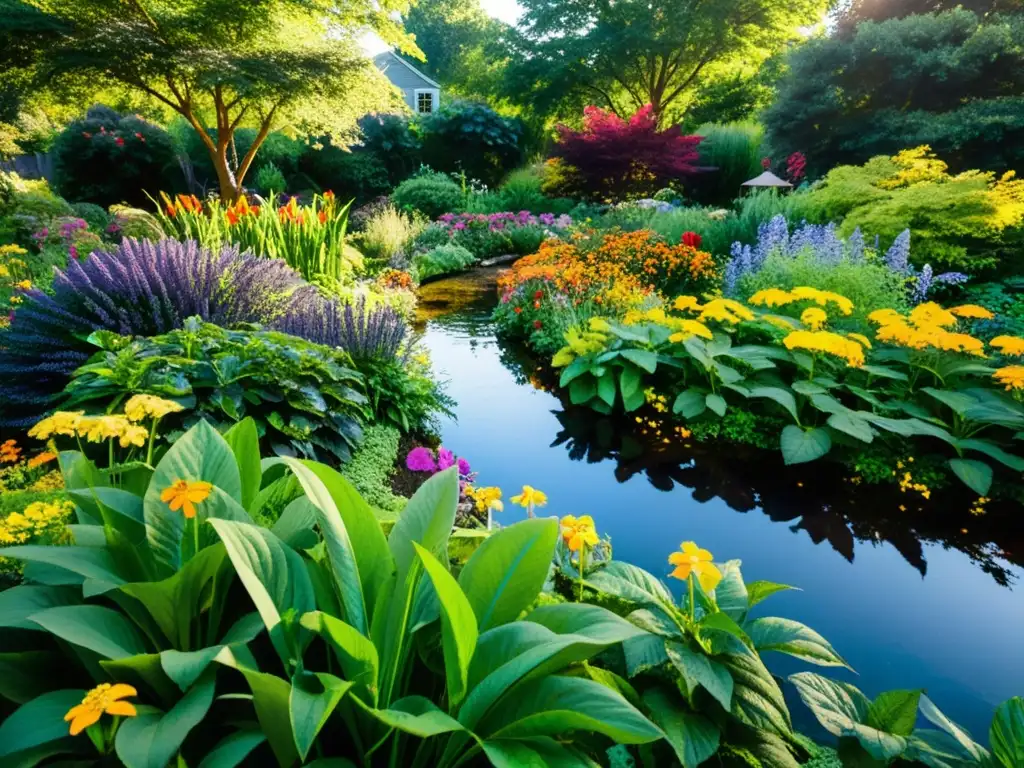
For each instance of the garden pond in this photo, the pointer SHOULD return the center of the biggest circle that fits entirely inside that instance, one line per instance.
(913, 594)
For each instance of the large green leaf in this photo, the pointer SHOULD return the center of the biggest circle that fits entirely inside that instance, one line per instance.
(781, 396)
(965, 745)
(90, 562)
(356, 654)
(958, 402)
(1016, 463)
(760, 590)
(800, 446)
(630, 583)
(152, 738)
(837, 706)
(233, 749)
(200, 454)
(341, 552)
(273, 573)
(18, 603)
(693, 737)
(938, 749)
(115, 507)
(174, 603)
(508, 570)
(542, 752)
(1007, 733)
(244, 441)
(102, 630)
(458, 625)
(976, 475)
(271, 699)
(24, 675)
(313, 699)
(697, 668)
(731, 593)
(852, 425)
(590, 621)
(184, 668)
(757, 699)
(417, 715)
(36, 723)
(794, 638)
(642, 358)
(690, 403)
(427, 520)
(552, 705)
(894, 712)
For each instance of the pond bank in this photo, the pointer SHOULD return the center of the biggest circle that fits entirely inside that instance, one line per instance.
(911, 599)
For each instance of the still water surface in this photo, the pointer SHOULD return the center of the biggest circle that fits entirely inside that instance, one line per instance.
(930, 598)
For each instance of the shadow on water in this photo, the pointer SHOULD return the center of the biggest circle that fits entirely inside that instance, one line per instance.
(923, 595)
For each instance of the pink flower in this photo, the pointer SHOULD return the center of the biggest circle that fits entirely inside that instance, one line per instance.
(421, 460)
(463, 466)
(119, 141)
(445, 459)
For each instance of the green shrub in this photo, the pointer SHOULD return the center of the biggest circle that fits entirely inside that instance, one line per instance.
(107, 158)
(432, 236)
(391, 141)
(355, 175)
(473, 139)
(432, 195)
(734, 151)
(94, 215)
(442, 260)
(387, 233)
(372, 465)
(269, 180)
(306, 398)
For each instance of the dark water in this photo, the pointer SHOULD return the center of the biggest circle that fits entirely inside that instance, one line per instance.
(926, 597)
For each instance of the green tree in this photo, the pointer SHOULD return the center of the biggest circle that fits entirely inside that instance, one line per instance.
(450, 33)
(626, 54)
(853, 12)
(224, 65)
(950, 80)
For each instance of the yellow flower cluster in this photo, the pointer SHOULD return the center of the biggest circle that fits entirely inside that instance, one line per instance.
(907, 483)
(1011, 377)
(978, 508)
(830, 343)
(118, 427)
(776, 297)
(656, 401)
(814, 318)
(925, 328)
(1008, 345)
(579, 532)
(580, 343)
(141, 407)
(41, 518)
(488, 498)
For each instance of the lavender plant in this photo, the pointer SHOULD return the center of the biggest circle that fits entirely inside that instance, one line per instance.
(366, 333)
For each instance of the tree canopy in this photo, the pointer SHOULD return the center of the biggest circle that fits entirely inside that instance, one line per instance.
(626, 54)
(853, 12)
(219, 64)
(952, 81)
(453, 35)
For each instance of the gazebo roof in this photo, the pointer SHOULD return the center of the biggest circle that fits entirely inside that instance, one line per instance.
(766, 179)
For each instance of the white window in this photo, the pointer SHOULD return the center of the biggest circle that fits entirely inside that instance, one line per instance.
(426, 100)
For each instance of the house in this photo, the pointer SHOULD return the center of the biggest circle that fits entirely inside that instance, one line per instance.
(422, 94)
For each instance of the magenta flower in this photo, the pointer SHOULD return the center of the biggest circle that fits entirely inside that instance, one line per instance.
(463, 466)
(421, 460)
(445, 459)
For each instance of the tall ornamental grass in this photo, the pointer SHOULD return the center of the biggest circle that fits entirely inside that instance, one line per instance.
(308, 238)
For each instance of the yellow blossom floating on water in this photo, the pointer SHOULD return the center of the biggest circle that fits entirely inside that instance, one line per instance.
(814, 317)
(141, 407)
(823, 298)
(184, 495)
(972, 311)
(530, 498)
(772, 297)
(829, 343)
(1009, 345)
(1011, 377)
(691, 559)
(578, 532)
(103, 699)
(61, 423)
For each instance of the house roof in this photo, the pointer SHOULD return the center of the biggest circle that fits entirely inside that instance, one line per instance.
(766, 179)
(388, 58)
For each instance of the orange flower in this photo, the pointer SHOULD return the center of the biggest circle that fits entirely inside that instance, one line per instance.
(41, 458)
(691, 559)
(184, 495)
(9, 452)
(231, 216)
(322, 216)
(103, 699)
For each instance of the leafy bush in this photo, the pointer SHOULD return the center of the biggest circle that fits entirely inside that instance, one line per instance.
(372, 466)
(139, 289)
(972, 222)
(472, 139)
(107, 158)
(269, 179)
(440, 261)
(433, 235)
(305, 399)
(497, 234)
(612, 157)
(404, 393)
(94, 215)
(357, 175)
(390, 140)
(387, 233)
(733, 151)
(432, 195)
(309, 238)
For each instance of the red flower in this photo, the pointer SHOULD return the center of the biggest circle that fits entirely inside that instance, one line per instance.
(119, 141)
(538, 294)
(518, 310)
(537, 324)
(691, 239)
(766, 163)
(138, 135)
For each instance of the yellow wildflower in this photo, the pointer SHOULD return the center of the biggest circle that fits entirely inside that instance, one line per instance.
(726, 311)
(578, 532)
(823, 298)
(41, 458)
(134, 434)
(141, 407)
(688, 328)
(972, 311)
(530, 498)
(931, 314)
(184, 495)
(103, 699)
(1012, 377)
(691, 559)
(61, 423)
(485, 498)
(886, 317)
(861, 339)
(599, 324)
(814, 317)
(687, 304)
(9, 452)
(785, 323)
(98, 428)
(23, 285)
(772, 297)
(1009, 345)
(562, 358)
(829, 343)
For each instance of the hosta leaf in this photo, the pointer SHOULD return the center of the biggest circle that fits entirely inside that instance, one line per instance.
(958, 402)
(39, 722)
(800, 446)
(976, 475)
(837, 706)
(993, 451)
(716, 403)
(643, 358)
(697, 668)
(894, 712)
(690, 403)
(852, 425)
(795, 639)
(693, 737)
(781, 396)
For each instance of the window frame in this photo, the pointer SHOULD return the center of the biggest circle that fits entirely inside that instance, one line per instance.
(435, 98)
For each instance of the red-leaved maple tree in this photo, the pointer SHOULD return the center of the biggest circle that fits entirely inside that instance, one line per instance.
(614, 157)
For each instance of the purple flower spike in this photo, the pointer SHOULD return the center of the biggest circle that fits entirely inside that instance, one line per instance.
(463, 466)
(421, 460)
(445, 459)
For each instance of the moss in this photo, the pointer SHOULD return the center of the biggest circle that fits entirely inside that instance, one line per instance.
(371, 468)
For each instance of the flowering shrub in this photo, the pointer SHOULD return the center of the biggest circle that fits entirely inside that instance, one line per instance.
(612, 157)
(309, 238)
(364, 331)
(496, 234)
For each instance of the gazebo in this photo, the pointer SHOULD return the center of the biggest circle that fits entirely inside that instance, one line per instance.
(767, 180)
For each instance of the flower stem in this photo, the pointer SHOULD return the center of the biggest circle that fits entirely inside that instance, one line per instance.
(693, 605)
(583, 558)
(195, 534)
(152, 439)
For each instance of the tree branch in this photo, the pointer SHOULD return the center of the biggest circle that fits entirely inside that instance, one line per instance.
(243, 167)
